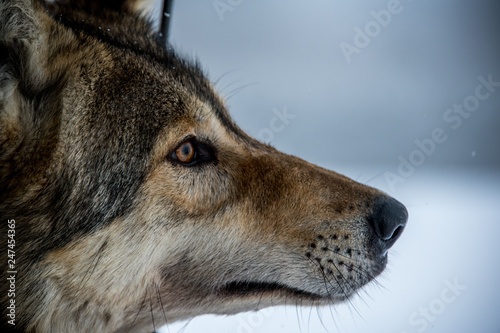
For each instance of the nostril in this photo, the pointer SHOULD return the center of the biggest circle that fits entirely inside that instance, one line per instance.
(388, 219)
(397, 233)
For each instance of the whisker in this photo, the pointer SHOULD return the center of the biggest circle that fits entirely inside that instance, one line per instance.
(137, 314)
(321, 319)
(297, 313)
(340, 285)
(325, 279)
(158, 295)
(152, 314)
(183, 328)
(360, 271)
(217, 80)
(94, 263)
(357, 269)
(237, 90)
(333, 317)
(353, 289)
(309, 318)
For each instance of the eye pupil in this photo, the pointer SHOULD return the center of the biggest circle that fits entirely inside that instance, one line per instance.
(185, 153)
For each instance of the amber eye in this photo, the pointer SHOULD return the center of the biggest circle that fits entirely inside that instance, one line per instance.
(185, 153)
(192, 152)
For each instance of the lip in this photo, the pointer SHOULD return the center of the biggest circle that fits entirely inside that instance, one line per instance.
(240, 288)
(260, 289)
(327, 294)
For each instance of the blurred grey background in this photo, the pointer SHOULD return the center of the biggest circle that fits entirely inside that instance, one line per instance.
(352, 86)
(368, 110)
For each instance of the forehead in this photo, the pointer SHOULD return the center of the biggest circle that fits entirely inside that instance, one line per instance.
(166, 86)
(135, 74)
(180, 89)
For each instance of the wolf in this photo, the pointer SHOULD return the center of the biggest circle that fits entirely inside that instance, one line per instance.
(129, 198)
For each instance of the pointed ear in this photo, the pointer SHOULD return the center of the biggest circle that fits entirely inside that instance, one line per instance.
(138, 7)
(30, 71)
(27, 35)
(19, 23)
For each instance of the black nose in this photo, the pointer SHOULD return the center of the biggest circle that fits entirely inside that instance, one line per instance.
(388, 220)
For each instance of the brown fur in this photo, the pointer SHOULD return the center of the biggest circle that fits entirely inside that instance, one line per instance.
(111, 231)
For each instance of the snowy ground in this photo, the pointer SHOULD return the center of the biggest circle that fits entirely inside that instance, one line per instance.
(442, 277)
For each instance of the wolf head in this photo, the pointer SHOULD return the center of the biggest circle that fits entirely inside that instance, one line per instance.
(137, 200)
